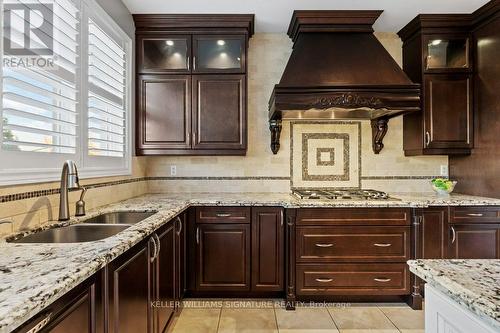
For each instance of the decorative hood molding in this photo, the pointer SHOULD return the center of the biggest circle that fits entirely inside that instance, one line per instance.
(339, 70)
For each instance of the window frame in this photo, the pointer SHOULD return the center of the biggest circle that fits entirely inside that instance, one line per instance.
(87, 166)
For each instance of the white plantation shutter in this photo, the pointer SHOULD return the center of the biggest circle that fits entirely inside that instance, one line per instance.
(40, 106)
(106, 100)
(79, 110)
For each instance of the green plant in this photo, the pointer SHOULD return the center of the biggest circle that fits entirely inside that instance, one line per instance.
(8, 135)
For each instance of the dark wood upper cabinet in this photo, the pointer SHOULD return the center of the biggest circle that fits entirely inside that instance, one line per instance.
(448, 114)
(219, 112)
(437, 54)
(164, 120)
(166, 54)
(219, 54)
(178, 112)
(446, 53)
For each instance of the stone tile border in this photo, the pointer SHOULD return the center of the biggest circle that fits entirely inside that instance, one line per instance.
(53, 191)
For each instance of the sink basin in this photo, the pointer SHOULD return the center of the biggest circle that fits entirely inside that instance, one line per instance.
(75, 233)
(119, 218)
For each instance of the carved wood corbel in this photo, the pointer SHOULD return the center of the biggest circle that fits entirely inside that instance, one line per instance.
(275, 128)
(379, 130)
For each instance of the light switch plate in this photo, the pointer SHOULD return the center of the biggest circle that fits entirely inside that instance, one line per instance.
(444, 170)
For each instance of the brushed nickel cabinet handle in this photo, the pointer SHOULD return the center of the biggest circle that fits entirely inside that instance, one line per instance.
(382, 280)
(475, 214)
(222, 214)
(281, 217)
(180, 226)
(427, 138)
(155, 249)
(324, 280)
(187, 62)
(382, 244)
(453, 235)
(38, 327)
(324, 245)
(197, 235)
(158, 243)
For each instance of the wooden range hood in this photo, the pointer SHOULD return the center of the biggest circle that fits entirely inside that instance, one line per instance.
(339, 70)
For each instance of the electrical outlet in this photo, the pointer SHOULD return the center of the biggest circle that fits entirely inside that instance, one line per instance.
(444, 170)
(173, 170)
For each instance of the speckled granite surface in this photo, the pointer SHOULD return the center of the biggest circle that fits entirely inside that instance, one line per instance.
(473, 283)
(33, 276)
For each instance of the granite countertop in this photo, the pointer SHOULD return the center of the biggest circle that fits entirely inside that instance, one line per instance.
(32, 276)
(473, 283)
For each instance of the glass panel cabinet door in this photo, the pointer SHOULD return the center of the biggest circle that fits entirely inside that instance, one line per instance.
(219, 54)
(452, 53)
(165, 54)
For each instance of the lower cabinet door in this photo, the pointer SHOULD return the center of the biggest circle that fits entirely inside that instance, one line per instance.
(164, 294)
(73, 312)
(267, 249)
(129, 289)
(475, 242)
(223, 257)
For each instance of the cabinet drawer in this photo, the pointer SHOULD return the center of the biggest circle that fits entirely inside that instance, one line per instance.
(353, 216)
(353, 243)
(352, 279)
(480, 214)
(223, 215)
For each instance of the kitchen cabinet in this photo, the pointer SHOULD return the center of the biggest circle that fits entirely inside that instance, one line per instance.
(75, 309)
(191, 84)
(130, 290)
(164, 284)
(164, 121)
(478, 241)
(223, 257)
(219, 54)
(268, 249)
(180, 258)
(219, 112)
(437, 55)
(165, 54)
(142, 284)
(347, 252)
(474, 232)
(432, 233)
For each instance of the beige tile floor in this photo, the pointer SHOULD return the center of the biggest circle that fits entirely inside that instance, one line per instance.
(262, 316)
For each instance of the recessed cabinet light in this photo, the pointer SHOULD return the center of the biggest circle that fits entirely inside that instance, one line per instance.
(170, 42)
(436, 42)
(221, 42)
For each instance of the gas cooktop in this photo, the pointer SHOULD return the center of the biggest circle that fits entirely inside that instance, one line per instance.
(342, 194)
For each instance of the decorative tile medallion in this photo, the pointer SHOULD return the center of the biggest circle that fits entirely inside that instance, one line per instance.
(325, 154)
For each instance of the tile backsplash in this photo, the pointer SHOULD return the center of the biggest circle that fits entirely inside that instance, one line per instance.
(260, 170)
(32, 205)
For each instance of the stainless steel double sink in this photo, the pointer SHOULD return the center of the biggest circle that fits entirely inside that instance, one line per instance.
(92, 229)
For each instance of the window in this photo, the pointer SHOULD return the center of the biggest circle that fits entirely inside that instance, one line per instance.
(78, 107)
